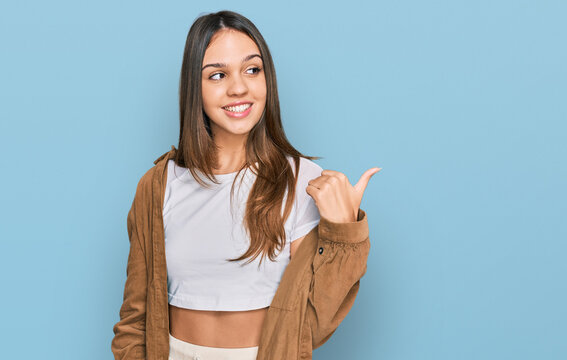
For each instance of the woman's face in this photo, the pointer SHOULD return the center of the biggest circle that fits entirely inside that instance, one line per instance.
(233, 83)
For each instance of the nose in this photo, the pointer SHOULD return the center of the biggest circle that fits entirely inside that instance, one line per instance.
(237, 86)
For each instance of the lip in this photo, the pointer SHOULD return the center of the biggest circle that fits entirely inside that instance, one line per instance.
(236, 103)
(241, 114)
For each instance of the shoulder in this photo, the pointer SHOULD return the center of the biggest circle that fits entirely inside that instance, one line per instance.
(147, 182)
(144, 186)
(308, 169)
(157, 169)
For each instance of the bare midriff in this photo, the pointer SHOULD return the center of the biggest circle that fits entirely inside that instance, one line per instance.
(224, 329)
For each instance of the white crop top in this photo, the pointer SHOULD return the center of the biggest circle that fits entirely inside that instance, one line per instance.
(201, 232)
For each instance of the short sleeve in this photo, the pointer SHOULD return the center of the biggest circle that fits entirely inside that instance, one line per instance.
(307, 212)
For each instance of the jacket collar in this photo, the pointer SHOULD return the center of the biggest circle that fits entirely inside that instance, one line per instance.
(168, 155)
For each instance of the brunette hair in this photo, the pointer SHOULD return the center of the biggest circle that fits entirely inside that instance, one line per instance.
(266, 144)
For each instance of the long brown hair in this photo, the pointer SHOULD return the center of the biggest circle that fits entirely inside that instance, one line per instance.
(266, 144)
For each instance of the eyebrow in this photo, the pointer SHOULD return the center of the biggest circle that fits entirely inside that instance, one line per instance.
(220, 65)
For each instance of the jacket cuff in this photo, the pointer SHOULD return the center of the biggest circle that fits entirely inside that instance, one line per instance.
(347, 232)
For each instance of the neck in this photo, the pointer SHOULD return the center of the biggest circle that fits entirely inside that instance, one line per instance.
(231, 154)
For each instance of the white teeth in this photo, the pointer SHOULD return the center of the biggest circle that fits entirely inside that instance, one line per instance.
(239, 108)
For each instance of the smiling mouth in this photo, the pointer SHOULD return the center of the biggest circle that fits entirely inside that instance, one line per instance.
(238, 109)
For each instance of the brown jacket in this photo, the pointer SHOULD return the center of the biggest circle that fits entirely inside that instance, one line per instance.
(316, 291)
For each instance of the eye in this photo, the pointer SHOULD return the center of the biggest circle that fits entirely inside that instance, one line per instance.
(215, 74)
(255, 68)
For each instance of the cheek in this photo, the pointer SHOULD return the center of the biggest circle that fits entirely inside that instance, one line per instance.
(210, 97)
(205, 95)
(260, 89)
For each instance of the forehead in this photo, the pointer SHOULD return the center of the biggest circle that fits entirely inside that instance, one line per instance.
(229, 46)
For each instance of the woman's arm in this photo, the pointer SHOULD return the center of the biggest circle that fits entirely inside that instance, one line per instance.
(342, 250)
(129, 341)
(338, 265)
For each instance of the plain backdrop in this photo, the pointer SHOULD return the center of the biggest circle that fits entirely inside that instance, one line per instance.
(462, 103)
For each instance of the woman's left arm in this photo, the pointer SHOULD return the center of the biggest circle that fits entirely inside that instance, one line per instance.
(342, 251)
(338, 265)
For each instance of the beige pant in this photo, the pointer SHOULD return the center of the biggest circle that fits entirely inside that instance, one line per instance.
(181, 350)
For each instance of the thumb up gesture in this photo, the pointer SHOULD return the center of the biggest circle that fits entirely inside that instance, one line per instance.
(337, 200)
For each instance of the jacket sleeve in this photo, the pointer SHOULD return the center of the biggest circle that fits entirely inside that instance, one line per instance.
(338, 265)
(129, 340)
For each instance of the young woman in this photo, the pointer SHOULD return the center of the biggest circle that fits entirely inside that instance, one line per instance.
(238, 199)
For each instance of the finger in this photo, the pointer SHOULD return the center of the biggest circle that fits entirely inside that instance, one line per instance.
(318, 181)
(365, 178)
(312, 191)
(334, 173)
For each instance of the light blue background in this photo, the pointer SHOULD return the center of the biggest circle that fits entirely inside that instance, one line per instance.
(462, 103)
